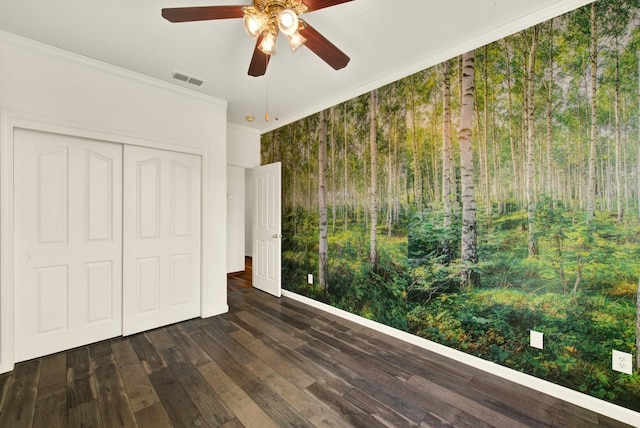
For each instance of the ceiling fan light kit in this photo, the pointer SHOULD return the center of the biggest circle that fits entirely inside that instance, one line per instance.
(264, 20)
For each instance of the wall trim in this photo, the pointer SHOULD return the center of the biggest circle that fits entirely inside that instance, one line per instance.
(610, 410)
(11, 120)
(12, 39)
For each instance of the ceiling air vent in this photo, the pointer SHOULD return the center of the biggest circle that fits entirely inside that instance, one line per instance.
(186, 78)
(195, 81)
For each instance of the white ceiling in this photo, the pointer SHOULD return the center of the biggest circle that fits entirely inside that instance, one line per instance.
(385, 39)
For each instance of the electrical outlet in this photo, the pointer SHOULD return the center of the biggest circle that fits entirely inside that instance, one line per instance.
(310, 278)
(536, 339)
(622, 362)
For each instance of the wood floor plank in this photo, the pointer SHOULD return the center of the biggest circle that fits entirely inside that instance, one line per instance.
(86, 415)
(216, 378)
(210, 405)
(246, 410)
(443, 374)
(231, 367)
(277, 360)
(275, 406)
(361, 355)
(149, 356)
(54, 370)
(303, 403)
(233, 423)
(189, 347)
(153, 416)
(240, 353)
(19, 406)
(138, 386)
(390, 393)
(81, 386)
(176, 401)
(160, 339)
(474, 413)
(350, 414)
(5, 382)
(377, 410)
(270, 328)
(51, 406)
(115, 407)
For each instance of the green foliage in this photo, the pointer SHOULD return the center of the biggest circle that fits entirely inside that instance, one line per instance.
(519, 293)
(353, 286)
(579, 333)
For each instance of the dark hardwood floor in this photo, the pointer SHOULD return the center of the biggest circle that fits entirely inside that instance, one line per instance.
(269, 363)
(240, 280)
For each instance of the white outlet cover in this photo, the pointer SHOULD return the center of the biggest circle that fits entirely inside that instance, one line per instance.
(536, 339)
(622, 362)
(310, 278)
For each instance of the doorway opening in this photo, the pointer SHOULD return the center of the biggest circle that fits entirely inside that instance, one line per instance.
(242, 279)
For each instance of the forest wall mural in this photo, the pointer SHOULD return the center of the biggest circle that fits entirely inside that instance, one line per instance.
(491, 195)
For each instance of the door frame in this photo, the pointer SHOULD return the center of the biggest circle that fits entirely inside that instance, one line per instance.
(11, 120)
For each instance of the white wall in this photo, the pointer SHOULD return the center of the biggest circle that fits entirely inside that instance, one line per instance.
(243, 149)
(235, 219)
(64, 88)
(248, 216)
(243, 146)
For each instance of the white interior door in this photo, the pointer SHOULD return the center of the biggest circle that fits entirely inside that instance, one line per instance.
(267, 236)
(161, 249)
(68, 242)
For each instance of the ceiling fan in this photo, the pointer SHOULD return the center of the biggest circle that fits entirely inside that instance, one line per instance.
(263, 20)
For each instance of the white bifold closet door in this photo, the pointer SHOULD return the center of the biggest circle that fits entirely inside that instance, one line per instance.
(67, 242)
(161, 239)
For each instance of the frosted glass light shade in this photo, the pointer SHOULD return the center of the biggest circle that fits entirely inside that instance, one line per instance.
(254, 23)
(288, 22)
(268, 44)
(295, 41)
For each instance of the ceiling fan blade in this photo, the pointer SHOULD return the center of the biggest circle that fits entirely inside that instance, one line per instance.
(202, 13)
(324, 48)
(321, 4)
(259, 61)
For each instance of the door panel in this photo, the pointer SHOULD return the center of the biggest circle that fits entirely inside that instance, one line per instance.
(267, 230)
(68, 244)
(161, 238)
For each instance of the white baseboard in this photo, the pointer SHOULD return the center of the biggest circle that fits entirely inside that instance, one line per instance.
(610, 410)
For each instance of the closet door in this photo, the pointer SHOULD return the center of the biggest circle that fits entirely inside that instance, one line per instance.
(68, 242)
(161, 248)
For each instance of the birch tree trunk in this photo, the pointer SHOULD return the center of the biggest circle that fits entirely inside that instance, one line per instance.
(373, 190)
(323, 251)
(530, 164)
(485, 133)
(417, 176)
(591, 189)
(446, 156)
(618, 165)
(512, 143)
(345, 161)
(549, 155)
(469, 251)
(334, 190)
